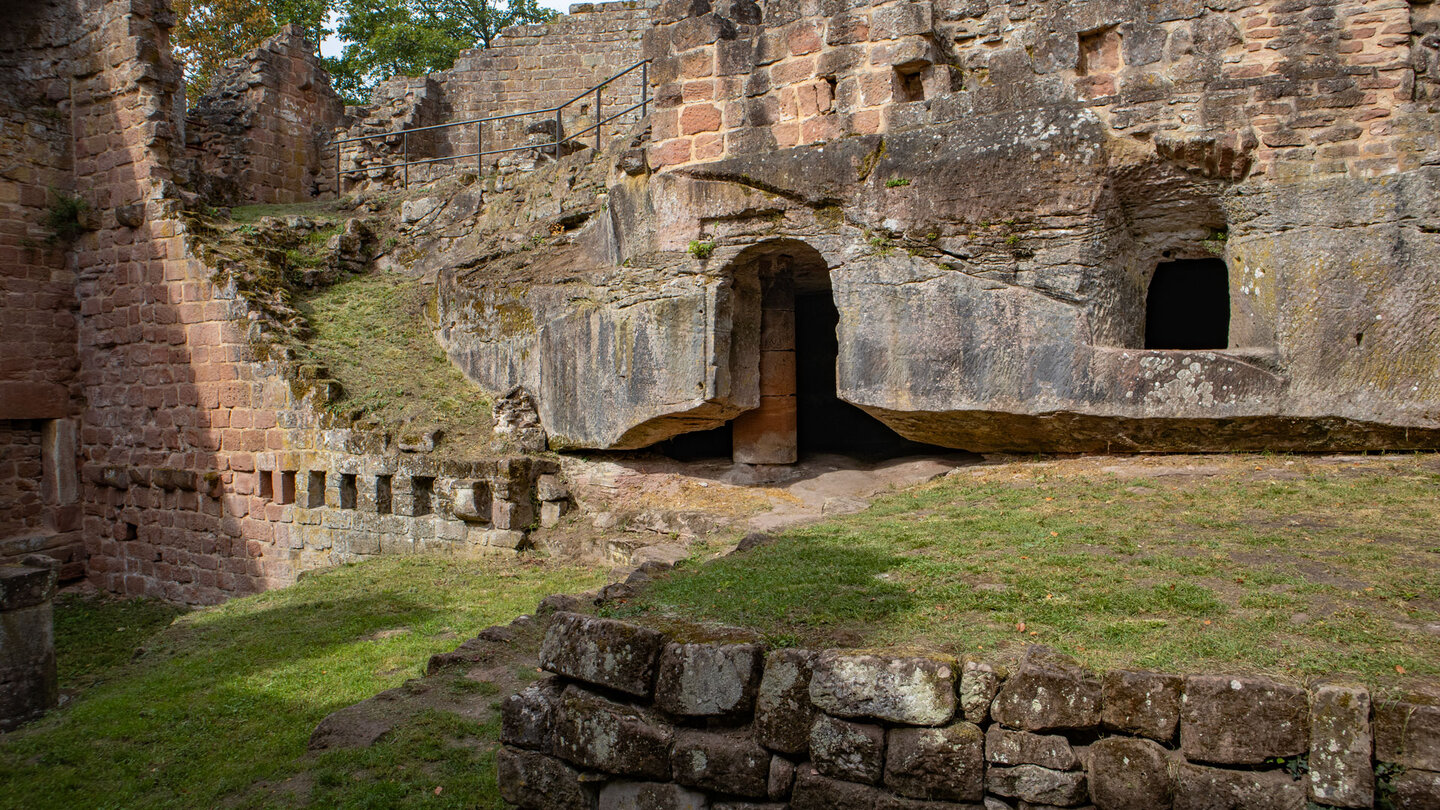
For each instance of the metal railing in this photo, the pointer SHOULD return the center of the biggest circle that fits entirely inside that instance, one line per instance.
(479, 123)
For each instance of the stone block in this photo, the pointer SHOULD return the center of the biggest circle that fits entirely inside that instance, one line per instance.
(1037, 785)
(721, 763)
(945, 763)
(551, 487)
(708, 680)
(783, 712)
(1005, 747)
(603, 735)
(1407, 732)
(841, 749)
(527, 718)
(1234, 720)
(814, 791)
(1415, 789)
(979, 682)
(534, 781)
(1201, 788)
(1129, 773)
(780, 779)
(23, 586)
(916, 691)
(603, 652)
(649, 796)
(1341, 746)
(1143, 703)
(1049, 691)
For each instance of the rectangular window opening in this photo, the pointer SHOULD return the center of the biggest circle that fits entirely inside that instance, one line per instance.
(909, 86)
(483, 500)
(315, 492)
(266, 479)
(348, 491)
(129, 531)
(423, 488)
(383, 502)
(287, 487)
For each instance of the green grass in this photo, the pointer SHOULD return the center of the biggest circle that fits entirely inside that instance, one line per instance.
(226, 697)
(371, 332)
(1328, 572)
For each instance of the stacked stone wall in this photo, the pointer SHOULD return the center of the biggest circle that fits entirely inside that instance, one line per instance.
(1267, 88)
(28, 680)
(260, 134)
(633, 718)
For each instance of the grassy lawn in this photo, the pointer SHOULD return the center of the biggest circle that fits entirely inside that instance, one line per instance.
(225, 698)
(371, 332)
(1284, 565)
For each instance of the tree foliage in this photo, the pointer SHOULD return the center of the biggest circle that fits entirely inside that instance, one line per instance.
(210, 32)
(382, 38)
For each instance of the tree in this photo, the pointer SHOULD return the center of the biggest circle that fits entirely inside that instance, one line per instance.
(385, 38)
(210, 32)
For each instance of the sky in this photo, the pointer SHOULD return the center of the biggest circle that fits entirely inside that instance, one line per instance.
(332, 45)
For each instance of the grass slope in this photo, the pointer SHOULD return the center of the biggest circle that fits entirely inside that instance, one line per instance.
(371, 332)
(225, 697)
(1302, 568)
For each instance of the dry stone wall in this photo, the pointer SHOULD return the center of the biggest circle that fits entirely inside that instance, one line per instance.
(634, 718)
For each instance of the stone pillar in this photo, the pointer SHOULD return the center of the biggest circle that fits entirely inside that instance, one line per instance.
(767, 435)
(28, 686)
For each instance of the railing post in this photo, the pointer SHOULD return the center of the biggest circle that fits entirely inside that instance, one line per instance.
(339, 185)
(405, 143)
(557, 133)
(644, 88)
(480, 158)
(598, 118)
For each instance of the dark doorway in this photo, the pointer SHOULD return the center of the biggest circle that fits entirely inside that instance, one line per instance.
(1188, 306)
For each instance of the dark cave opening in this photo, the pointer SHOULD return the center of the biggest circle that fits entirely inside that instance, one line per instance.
(1188, 306)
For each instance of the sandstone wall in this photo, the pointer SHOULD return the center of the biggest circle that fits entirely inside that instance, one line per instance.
(259, 134)
(528, 67)
(635, 718)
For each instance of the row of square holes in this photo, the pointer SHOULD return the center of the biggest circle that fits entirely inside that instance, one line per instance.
(279, 486)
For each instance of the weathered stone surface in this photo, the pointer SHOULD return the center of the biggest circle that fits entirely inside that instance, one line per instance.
(979, 682)
(783, 712)
(1143, 703)
(1234, 720)
(601, 734)
(1129, 773)
(25, 586)
(527, 718)
(28, 677)
(537, 782)
(781, 778)
(1408, 732)
(1415, 789)
(937, 763)
(1341, 746)
(721, 763)
(1037, 785)
(841, 749)
(1048, 691)
(814, 791)
(1005, 747)
(914, 691)
(708, 680)
(649, 796)
(1202, 788)
(603, 652)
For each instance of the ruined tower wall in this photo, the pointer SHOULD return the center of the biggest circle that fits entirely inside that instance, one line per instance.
(259, 134)
(38, 359)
